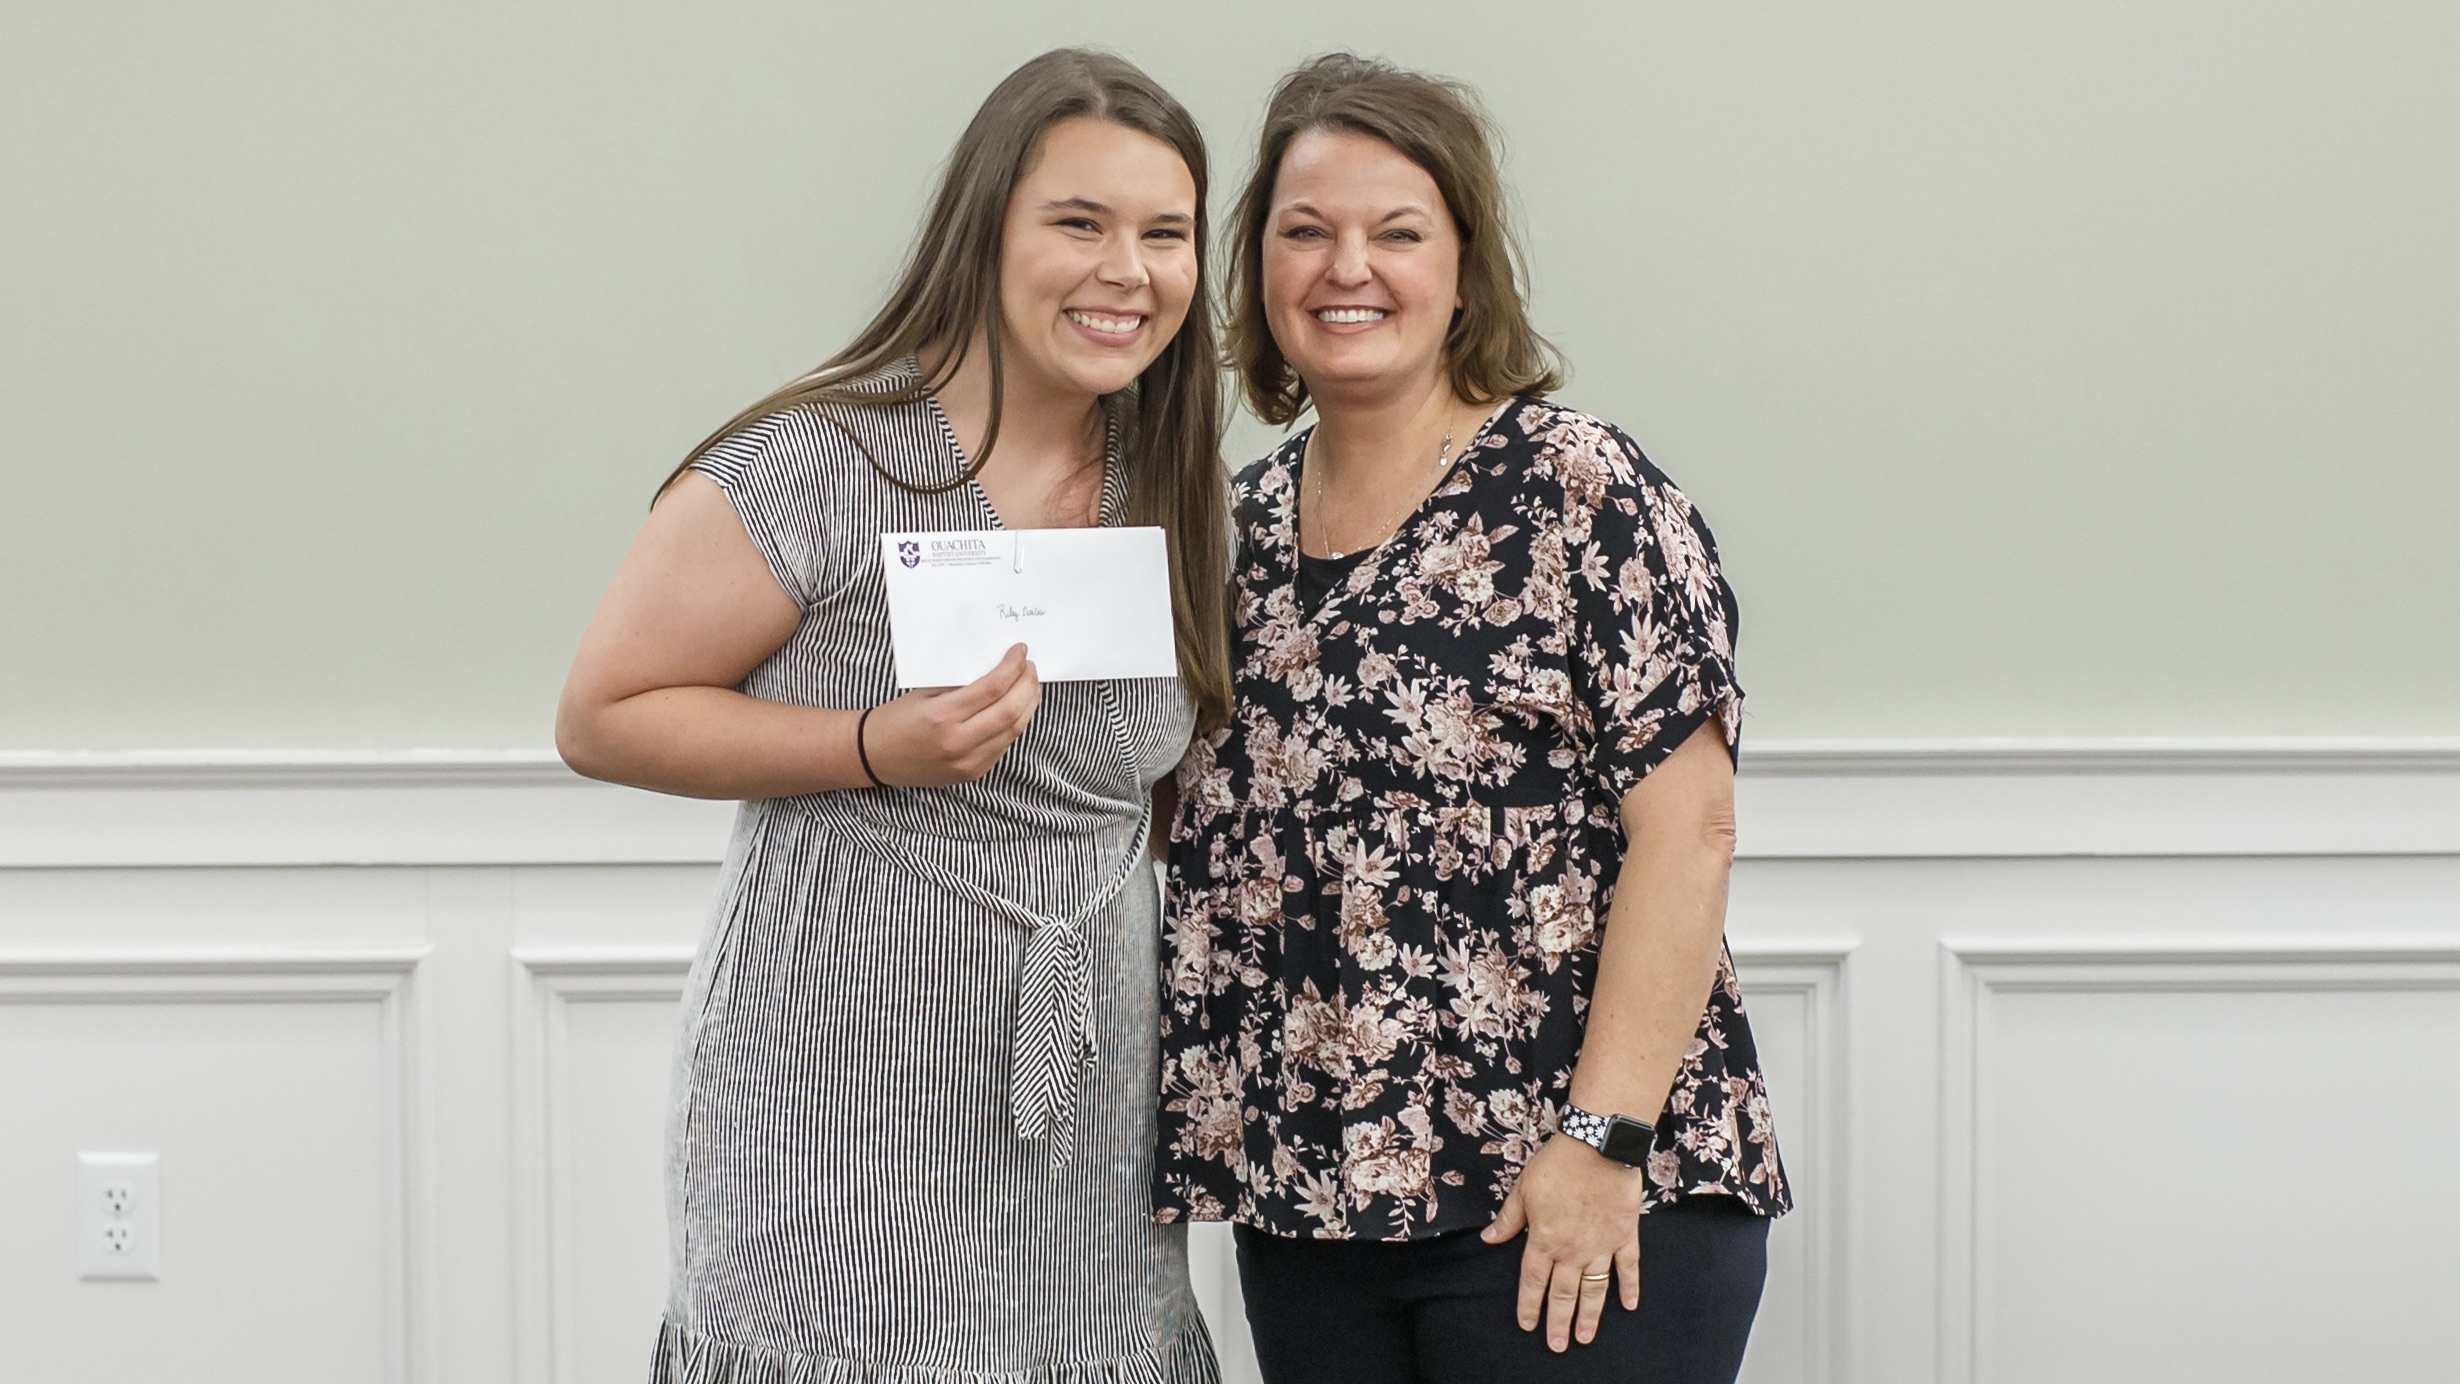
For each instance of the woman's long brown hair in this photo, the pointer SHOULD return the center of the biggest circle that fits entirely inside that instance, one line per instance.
(1168, 422)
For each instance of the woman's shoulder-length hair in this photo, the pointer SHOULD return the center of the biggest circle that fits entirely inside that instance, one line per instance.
(1439, 125)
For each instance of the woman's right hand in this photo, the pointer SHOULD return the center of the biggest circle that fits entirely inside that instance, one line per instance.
(936, 736)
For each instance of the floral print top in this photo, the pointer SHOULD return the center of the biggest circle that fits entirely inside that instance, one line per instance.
(1389, 875)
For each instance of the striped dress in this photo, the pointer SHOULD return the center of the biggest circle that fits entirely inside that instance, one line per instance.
(912, 1131)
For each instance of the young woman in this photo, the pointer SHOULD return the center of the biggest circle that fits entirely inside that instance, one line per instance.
(1448, 1003)
(913, 1126)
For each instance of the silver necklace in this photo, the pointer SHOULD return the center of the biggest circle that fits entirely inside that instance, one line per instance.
(1323, 520)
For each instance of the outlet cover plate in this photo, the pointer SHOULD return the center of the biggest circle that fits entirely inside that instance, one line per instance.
(119, 1215)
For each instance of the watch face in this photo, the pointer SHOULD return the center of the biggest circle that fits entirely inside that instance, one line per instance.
(1628, 1140)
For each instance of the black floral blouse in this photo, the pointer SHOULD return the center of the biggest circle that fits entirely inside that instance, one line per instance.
(1389, 876)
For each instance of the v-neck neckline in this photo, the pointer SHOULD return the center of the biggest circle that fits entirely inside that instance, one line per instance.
(1113, 484)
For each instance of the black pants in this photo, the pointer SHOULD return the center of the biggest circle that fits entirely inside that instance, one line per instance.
(1442, 1311)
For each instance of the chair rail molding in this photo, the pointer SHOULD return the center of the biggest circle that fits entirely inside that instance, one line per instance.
(337, 807)
(1801, 799)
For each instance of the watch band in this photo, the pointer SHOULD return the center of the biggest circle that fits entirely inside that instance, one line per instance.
(1619, 1137)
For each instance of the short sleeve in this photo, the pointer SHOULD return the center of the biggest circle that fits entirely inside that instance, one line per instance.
(767, 480)
(1652, 653)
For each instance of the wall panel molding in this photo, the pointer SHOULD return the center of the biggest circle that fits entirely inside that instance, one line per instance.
(384, 978)
(547, 983)
(1975, 972)
(1815, 973)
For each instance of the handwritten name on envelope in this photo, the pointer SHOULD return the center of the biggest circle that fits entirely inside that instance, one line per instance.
(1085, 603)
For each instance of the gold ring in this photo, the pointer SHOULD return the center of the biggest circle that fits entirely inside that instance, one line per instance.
(1596, 1277)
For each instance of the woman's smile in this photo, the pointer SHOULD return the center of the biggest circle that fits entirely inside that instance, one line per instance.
(1346, 319)
(1104, 326)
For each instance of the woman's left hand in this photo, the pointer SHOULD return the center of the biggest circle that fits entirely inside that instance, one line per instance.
(1582, 1212)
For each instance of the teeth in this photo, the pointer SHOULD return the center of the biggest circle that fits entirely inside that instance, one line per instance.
(1108, 326)
(1350, 315)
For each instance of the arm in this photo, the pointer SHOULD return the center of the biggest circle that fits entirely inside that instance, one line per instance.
(691, 612)
(1659, 958)
(1665, 932)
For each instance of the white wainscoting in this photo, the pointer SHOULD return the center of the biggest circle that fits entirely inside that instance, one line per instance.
(282, 1092)
(2087, 1184)
(1795, 992)
(2091, 1061)
(592, 1034)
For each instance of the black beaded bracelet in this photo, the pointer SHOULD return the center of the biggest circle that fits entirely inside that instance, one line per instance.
(862, 753)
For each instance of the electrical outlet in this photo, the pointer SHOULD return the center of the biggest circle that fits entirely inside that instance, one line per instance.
(119, 1215)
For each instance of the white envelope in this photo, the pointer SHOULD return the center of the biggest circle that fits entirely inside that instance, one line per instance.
(1085, 603)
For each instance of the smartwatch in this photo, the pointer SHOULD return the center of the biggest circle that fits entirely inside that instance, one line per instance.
(1619, 1137)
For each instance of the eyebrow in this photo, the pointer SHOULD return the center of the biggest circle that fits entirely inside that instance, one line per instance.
(1099, 209)
(1407, 209)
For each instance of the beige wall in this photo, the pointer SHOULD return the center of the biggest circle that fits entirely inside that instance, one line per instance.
(2059, 368)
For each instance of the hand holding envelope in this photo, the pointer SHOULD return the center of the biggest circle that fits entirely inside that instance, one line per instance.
(1086, 603)
(935, 736)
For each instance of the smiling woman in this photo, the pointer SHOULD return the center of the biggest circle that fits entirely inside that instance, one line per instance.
(894, 1155)
(1452, 1034)
(1097, 269)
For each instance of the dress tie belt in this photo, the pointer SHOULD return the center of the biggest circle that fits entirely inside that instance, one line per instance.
(1054, 1036)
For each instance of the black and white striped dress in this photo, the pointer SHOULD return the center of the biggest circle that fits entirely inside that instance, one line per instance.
(912, 1137)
